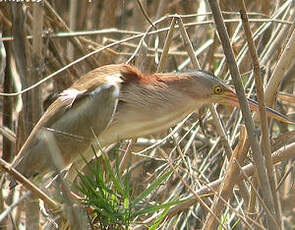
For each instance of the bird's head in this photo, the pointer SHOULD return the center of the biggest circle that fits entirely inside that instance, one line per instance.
(207, 87)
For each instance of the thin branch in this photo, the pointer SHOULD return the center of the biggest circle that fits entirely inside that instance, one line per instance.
(29, 185)
(145, 14)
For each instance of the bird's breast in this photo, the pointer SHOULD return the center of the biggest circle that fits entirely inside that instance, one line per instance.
(131, 124)
(147, 109)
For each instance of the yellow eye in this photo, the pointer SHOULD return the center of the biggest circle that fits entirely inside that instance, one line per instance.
(218, 90)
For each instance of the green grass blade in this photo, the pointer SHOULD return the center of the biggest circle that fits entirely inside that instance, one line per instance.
(111, 174)
(154, 208)
(151, 188)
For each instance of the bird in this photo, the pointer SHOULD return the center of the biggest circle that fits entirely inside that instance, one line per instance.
(117, 102)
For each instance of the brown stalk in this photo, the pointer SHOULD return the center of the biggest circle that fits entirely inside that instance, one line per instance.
(29, 185)
(92, 62)
(254, 190)
(73, 7)
(7, 116)
(187, 44)
(284, 63)
(139, 22)
(276, 42)
(196, 196)
(62, 82)
(35, 59)
(29, 113)
(251, 209)
(284, 153)
(243, 189)
(221, 132)
(265, 142)
(259, 161)
(225, 189)
(196, 65)
(166, 47)
(141, 7)
(108, 10)
(218, 124)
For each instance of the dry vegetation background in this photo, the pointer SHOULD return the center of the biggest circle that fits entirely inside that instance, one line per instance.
(212, 173)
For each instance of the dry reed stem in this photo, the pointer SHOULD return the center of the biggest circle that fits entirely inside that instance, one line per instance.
(259, 161)
(187, 44)
(160, 30)
(256, 194)
(220, 129)
(276, 41)
(221, 132)
(284, 153)
(225, 189)
(284, 63)
(251, 209)
(196, 196)
(29, 185)
(166, 47)
(73, 6)
(92, 62)
(189, 48)
(114, 44)
(265, 141)
(32, 210)
(145, 14)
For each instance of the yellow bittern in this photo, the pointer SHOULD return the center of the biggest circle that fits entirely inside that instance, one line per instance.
(116, 102)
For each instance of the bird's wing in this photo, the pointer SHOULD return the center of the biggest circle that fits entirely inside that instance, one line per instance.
(88, 105)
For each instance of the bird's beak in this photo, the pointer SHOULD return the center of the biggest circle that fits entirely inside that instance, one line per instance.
(230, 98)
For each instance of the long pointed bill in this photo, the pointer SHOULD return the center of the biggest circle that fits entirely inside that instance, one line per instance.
(253, 105)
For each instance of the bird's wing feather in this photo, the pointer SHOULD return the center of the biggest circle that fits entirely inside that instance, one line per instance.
(98, 98)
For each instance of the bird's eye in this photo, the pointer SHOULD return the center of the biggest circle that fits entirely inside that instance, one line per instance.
(218, 90)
